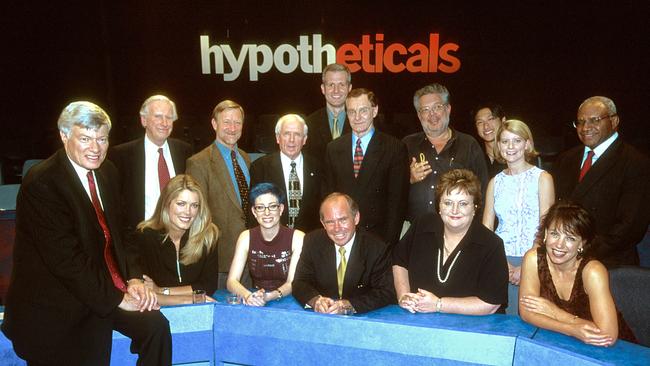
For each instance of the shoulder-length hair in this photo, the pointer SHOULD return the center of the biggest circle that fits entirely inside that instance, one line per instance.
(202, 234)
(571, 218)
(520, 129)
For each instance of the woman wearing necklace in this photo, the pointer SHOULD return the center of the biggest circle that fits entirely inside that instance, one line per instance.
(271, 250)
(178, 244)
(562, 288)
(519, 196)
(450, 262)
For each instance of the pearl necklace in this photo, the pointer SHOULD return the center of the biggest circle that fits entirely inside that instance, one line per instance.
(441, 280)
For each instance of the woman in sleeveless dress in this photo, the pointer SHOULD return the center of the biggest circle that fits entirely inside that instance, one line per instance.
(517, 197)
(562, 288)
(270, 250)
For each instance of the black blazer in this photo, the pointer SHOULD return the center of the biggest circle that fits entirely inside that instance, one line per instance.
(616, 191)
(380, 190)
(269, 169)
(319, 132)
(61, 293)
(129, 160)
(368, 282)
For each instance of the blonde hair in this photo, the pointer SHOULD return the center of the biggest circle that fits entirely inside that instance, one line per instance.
(520, 129)
(203, 233)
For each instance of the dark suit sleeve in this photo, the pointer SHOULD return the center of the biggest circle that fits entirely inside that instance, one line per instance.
(397, 197)
(303, 281)
(329, 185)
(381, 291)
(478, 164)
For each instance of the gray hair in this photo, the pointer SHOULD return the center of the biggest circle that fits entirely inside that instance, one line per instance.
(144, 110)
(609, 104)
(434, 88)
(83, 114)
(289, 117)
(337, 68)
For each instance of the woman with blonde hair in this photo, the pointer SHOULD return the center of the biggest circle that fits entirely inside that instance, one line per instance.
(178, 244)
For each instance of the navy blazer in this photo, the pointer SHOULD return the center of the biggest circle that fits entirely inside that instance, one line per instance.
(319, 132)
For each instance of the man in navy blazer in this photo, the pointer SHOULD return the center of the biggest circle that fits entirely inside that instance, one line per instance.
(340, 267)
(291, 135)
(137, 161)
(74, 280)
(380, 186)
(610, 179)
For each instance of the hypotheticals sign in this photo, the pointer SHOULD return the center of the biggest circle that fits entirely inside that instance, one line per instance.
(310, 55)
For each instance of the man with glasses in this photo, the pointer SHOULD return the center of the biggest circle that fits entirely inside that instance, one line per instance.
(297, 174)
(437, 150)
(371, 167)
(148, 163)
(610, 179)
(329, 122)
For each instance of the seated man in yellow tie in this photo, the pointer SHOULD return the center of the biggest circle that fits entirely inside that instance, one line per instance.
(342, 270)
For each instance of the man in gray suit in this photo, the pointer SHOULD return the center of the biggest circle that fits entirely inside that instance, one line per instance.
(222, 171)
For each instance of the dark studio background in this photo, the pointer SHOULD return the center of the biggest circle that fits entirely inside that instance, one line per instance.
(538, 59)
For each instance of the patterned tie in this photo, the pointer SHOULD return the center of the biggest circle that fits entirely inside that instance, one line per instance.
(241, 182)
(586, 165)
(163, 171)
(295, 195)
(335, 128)
(108, 253)
(358, 158)
(340, 272)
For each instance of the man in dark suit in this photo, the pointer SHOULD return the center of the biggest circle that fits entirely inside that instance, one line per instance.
(69, 287)
(341, 263)
(278, 168)
(146, 164)
(610, 179)
(371, 167)
(329, 122)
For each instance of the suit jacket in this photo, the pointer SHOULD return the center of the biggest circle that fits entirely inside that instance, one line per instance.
(368, 282)
(616, 192)
(210, 170)
(269, 169)
(380, 190)
(130, 162)
(61, 293)
(319, 132)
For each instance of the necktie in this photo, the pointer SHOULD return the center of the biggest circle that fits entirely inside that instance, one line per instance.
(335, 128)
(340, 272)
(586, 165)
(295, 195)
(108, 253)
(241, 182)
(163, 172)
(358, 158)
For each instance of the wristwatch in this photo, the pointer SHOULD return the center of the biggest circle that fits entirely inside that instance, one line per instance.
(165, 291)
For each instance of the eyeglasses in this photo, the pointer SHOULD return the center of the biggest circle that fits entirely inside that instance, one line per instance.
(592, 121)
(272, 207)
(363, 112)
(436, 108)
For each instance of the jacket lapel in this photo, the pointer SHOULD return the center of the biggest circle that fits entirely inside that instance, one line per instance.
(371, 158)
(356, 266)
(599, 170)
(220, 170)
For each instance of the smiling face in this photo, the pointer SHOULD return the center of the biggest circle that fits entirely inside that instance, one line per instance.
(457, 210)
(561, 245)
(338, 220)
(433, 114)
(228, 126)
(335, 88)
(487, 124)
(86, 147)
(512, 147)
(159, 121)
(267, 210)
(183, 210)
(291, 138)
(593, 134)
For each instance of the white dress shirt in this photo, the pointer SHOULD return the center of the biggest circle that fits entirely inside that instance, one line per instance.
(151, 183)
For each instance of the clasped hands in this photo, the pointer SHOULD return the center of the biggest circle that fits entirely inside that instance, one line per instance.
(139, 297)
(328, 305)
(421, 302)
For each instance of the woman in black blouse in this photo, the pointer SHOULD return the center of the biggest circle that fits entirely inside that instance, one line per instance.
(450, 262)
(178, 244)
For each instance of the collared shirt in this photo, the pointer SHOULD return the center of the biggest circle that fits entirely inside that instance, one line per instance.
(83, 177)
(286, 170)
(348, 249)
(365, 140)
(225, 154)
(599, 150)
(339, 122)
(151, 182)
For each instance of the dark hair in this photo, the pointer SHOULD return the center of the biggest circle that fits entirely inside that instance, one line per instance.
(495, 109)
(264, 188)
(568, 217)
(356, 93)
(461, 179)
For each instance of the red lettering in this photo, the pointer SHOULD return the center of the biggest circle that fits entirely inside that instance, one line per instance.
(365, 48)
(417, 62)
(379, 53)
(347, 54)
(434, 44)
(454, 62)
(389, 57)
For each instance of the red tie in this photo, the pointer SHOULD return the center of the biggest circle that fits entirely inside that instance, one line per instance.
(358, 158)
(163, 172)
(586, 165)
(108, 253)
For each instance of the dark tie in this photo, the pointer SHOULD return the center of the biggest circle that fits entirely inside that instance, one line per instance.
(358, 158)
(108, 253)
(163, 172)
(241, 182)
(295, 195)
(586, 165)
(340, 272)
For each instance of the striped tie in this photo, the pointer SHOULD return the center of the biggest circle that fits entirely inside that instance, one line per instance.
(295, 195)
(358, 158)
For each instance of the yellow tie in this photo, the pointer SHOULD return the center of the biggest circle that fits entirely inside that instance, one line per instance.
(340, 272)
(335, 129)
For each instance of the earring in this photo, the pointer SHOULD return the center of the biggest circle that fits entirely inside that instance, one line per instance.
(580, 250)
